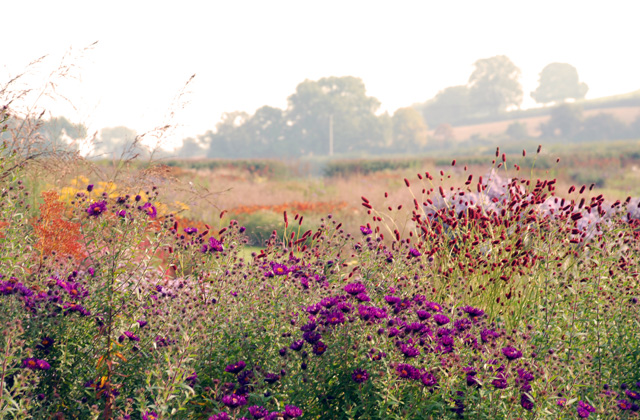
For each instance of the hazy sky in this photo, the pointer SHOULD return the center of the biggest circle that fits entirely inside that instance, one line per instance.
(246, 54)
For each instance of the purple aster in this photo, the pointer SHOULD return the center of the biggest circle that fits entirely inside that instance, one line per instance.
(441, 319)
(360, 375)
(511, 353)
(422, 314)
(89, 187)
(150, 415)
(407, 371)
(473, 312)
(234, 400)
(192, 379)
(279, 269)
(561, 402)
(414, 252)
(220, 416)
(235, 367)
(329, 301)
(215, 245)
(462, 324)
(584, 409)
(311, 326)
(363, 297)
(97, 208)
(30, 363)
(632, 394)
(150, 210)
(500, 382)
(366, 230)
(319, 348)
(392, 300)
(409, 351)
(314, 309)
(291, 411)
(428, 379)
(335, 318)
(311, 337)
(142, 323)
(355, 288)
(190, 230)
(415, 327)
(131, 336)
(525, 402)
(45, 343)
(432, 306)
(297, 345)
(624, 405)
(486, 335)
(258, 412)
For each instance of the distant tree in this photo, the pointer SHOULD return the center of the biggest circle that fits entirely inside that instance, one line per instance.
(517, 131)
(444, 134)
(565, 122)
(61, 133)
(115, 142)
(191, 148)
(448, 106)
(409, 130)
(559, 82)
(338, 101)
(494, 85)
(602, 126)
(266, 132)
(230, 139)
(634, 128)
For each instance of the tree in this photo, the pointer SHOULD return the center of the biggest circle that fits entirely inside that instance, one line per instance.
(448, 106)
(602, 126)
(339, 102)
(117, 142)
(444, 134)
(517, 131)
(565, 122)
(494, 85)
(266, 131)
(559, 82)
(409, 130)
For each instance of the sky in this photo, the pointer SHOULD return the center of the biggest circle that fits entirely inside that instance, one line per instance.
(246, 54)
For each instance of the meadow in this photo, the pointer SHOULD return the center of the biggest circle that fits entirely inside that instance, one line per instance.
(487, 287)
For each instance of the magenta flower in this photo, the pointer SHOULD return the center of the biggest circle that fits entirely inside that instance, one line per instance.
(429, 379)
(235, 367)
(150, 415)
(511, 353)
(584, 409)
(150, 210)
(190, 230)
(366, 230)
(234, 401)
(441, 319)
(360, 375)
(319, 348)
(280, 269)
(258, 412)
(407, 371)
(97, 208)
(355, 288)
(291, 411)
(131, 336)
(414, 252)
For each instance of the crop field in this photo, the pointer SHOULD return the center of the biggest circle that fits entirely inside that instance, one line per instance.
(497, 285)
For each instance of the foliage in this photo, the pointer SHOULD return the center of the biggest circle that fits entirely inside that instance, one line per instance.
(559, 82)
(494, 85)
(409, 130)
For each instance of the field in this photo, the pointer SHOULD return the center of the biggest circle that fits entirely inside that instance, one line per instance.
(490, 285)
(625, 114)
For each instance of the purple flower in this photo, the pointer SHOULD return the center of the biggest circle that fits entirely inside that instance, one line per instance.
(363, 297)
(486, 335)
(234, 400)
(192, 379)
(624, 405)
(432, 306)
(366, 230)
(45, 343)
(97, 208)
(441, 319)
(429, 379)
(473, 312)
(297, 345)
(279, 269)
(409, 351)
(258, 412)
(335, 318)
(360, 375)
(235, 367)
(215, 245)
(329, 301)
(525, 402)
(414, 252)
(355, 288)
(131, 336)
(319, 348)
(632, 394)
(89, 187)
(150, 210)
(142, 323)
(422, 314)
(190, 230)
(584, 409)
(500, 382)
(291, 411)
(220, 416)
(462, 324)
(511, 353)
(149, 415)
(407, 371)
(561, 402)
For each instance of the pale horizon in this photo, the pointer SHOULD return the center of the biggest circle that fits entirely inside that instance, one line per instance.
(249, 54)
